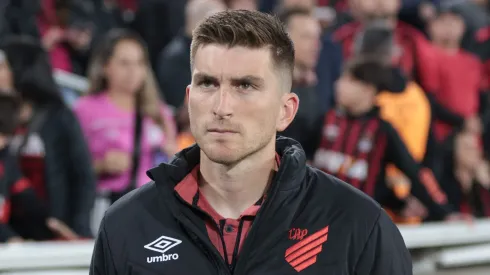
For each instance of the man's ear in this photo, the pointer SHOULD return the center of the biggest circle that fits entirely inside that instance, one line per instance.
(289, 108)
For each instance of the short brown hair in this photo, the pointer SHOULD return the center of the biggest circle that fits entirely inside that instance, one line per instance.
(9, 112)
(251, 29)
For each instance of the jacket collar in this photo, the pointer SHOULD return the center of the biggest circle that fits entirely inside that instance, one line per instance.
(291, 173)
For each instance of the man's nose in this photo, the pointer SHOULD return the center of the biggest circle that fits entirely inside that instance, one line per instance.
(222, 103)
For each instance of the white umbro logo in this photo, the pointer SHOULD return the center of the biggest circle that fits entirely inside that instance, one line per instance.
(162, 245)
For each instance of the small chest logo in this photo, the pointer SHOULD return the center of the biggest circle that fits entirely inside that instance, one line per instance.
(305, 252)
(162, 245)
(297, 234)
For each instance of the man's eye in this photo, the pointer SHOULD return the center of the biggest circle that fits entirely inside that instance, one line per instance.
(245, 86)
(207, 84)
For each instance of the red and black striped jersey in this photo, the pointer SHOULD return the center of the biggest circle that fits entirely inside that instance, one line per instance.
(357, 150)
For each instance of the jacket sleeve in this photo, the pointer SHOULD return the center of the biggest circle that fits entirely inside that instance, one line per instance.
(385, 251)
(424, 186)
(83, 180)
(102, 261)
(444, 114)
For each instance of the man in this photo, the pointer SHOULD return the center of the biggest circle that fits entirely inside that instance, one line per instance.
(242, 201)
(304, 31)
(356, 144)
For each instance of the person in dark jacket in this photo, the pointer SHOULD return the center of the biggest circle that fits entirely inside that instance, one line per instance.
(242, 201)
(465, 175)
(18, 199)
(305, 31)
(173, 70)
(49, 144)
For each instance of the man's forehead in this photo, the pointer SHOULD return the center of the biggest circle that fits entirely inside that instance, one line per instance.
(232, 62)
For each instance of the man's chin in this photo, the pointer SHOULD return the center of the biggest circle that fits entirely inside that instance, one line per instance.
(221, 155)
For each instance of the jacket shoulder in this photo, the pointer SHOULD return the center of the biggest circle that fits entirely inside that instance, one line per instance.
(127, 208)
(332, 193)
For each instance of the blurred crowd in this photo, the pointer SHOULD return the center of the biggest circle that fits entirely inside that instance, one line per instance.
(393, 100)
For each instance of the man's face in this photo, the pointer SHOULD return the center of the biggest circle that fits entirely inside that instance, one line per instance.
(243, 5)
(448, 28)
(350, 91)
(308, 4)
(237, 101)
(388, 7)
(372, 9)
(305, 31)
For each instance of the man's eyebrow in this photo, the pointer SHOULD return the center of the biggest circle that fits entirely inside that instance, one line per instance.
(200, 76)
(249, 78)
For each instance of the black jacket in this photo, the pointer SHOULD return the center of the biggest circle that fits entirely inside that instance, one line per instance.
(360, 238)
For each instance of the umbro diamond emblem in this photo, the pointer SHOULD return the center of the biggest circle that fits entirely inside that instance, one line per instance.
(162, 245)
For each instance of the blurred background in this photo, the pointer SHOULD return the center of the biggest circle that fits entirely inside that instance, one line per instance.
(92, 94)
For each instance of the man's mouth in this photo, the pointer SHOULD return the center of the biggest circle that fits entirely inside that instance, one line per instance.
(221, 131)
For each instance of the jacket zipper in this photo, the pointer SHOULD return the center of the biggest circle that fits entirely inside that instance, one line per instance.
(240, 265)
(212, 252)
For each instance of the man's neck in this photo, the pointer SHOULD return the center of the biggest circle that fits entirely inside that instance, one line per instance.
(230, 190)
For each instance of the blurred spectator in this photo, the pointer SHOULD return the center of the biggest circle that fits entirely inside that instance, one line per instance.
(126, 125)
(305, 4)
(356, 144)
(328, 70)
(20, 17)
(157, 22)
(413, 46)
(466, 177)
(304, 31)
(109, 15)
(241, 4)
(66, 31)
(18, 200)
(458, 90)
(476, 17)
(6, 81)
(49, 144)
(173, 69)
(406, 107)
